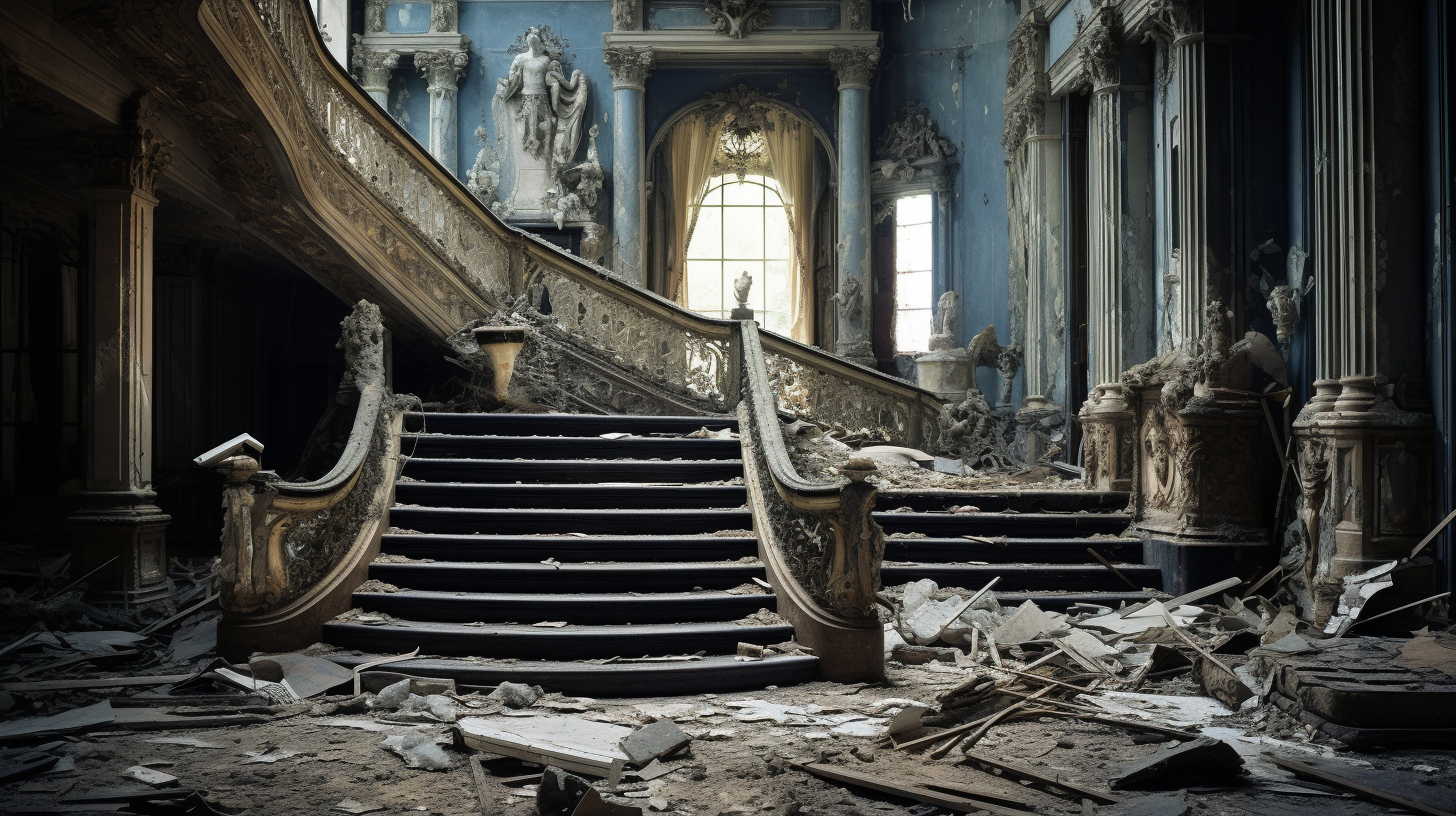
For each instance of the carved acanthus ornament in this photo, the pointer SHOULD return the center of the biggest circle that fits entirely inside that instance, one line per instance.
(442, 69)
(130, 159)
(1024, 48)
(854, 67)
(1024, 118)
(855, 15)
(374, 16)
(373, 68)
(1100, 54)
(629, 66)
(444, 15)
(626, 15)
(1172, 20)
(912, 148)
(737, 19)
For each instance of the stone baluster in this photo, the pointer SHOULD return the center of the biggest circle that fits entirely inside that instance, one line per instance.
(854, 68)
(629, 68)
(120, 522)
(442, 71)
(374, 68)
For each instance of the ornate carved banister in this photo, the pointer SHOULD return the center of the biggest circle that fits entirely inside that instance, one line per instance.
(820, 546)
(444, 259)
(292, 552)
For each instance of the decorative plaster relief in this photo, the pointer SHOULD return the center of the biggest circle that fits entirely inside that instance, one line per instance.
(854, 67)
(626, 15)
(912, 149)
(629, 65)
(738, 18)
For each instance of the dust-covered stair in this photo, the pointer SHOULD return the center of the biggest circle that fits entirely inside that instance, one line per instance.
(633, 547)
(1037, 541)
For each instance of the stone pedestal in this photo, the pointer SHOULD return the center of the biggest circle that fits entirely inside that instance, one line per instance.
(1197, 488)
(119, 539)
(1364, 478)
(947, 373)
(1109, 438)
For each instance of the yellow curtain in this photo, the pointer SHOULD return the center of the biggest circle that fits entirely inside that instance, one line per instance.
(790, 145)
(691, 146)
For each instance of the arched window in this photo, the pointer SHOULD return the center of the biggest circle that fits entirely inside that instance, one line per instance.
(741, 227)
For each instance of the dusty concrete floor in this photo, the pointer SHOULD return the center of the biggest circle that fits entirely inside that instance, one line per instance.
(727, 770)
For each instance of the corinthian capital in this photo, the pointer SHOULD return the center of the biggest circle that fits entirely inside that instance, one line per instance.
(132, 158)
(854, 67)
(629, 66)
(442, 69)
(1100, 55)
(371, 67)
(1175, 18)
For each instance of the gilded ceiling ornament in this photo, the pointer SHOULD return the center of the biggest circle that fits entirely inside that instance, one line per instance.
(738, 18)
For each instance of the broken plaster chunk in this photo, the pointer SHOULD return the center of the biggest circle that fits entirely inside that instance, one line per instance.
(1027, 623)
(920, 655)
(659, 739)
(930, 619)
(418, 750)
(516, 695)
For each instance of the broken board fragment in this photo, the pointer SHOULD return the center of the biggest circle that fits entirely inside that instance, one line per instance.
(1057, 785)
(1388, 787)
(924, 795)
(572, 743)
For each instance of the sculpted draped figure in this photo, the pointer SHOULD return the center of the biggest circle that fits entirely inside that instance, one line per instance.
(551, 105)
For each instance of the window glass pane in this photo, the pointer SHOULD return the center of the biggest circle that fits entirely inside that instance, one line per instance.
(913, 210)
(708, 234)
(715, 193)
(776, 230)
(776, 286)
(913, 248)
(748, 193)
(912, 330)
(743, 232)
(705, 286)
(912, 290)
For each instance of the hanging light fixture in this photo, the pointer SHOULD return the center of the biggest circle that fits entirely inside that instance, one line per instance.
(742, 149)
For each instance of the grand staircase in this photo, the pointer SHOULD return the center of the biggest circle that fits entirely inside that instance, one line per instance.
(638, 544)
(638, 552)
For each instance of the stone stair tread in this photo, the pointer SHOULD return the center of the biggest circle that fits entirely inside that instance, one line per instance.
(586, 608)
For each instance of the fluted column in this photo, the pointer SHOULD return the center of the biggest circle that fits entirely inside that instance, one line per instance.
(1196, 278)
(442, 71)
(373, 69)
(1043, 189)
(629, 68)
(854, 68)
(1100, 56)
(120, 523)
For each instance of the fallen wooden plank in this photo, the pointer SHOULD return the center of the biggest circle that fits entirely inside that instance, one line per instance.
(957, 804)
(478, 774)
(990, 721)
(1115, 571)
(1346, 779)
(569, 743)
(1195, 595)
(1033, 775)
(95, 683)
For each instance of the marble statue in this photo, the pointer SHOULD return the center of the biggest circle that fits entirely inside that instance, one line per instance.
(942, 332)
(541, 110)
(741, 285)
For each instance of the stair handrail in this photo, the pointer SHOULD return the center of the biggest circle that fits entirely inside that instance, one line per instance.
(282, 540)
(470, 262)
(820, 545)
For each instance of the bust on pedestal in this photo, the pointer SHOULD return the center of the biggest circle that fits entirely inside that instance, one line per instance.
(946, 368)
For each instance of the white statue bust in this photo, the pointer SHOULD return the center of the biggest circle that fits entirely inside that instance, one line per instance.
(942, 332)
(741, 287)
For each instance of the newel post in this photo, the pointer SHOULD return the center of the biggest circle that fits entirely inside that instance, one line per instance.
(859, 545)
(250, 578)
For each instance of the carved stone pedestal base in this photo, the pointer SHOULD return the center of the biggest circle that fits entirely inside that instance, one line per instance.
(1109, 442)
(946, 373)
(1198, 488)
(1036, 423)
(1364, 477)
(122, 536)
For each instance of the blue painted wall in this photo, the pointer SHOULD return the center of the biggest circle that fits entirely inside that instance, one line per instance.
(671, 89)
(952, 58)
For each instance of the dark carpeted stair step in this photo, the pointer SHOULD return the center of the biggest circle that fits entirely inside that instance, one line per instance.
(528, 642)
(994, 501)
(718, 674)
(583, 608)
(614, 577)
(1029, 577)
(566, 548)
(561, 447)
(576, 471)
(561, 424)
(1013, 550)
(569, 496)
(660, 522)
(1022, 525)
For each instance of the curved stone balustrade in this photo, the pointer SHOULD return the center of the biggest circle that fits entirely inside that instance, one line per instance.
(292, 552)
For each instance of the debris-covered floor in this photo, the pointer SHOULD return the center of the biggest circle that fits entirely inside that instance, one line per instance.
(1199, 705)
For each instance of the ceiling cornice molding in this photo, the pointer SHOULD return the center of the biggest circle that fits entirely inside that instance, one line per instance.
(764, 49)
